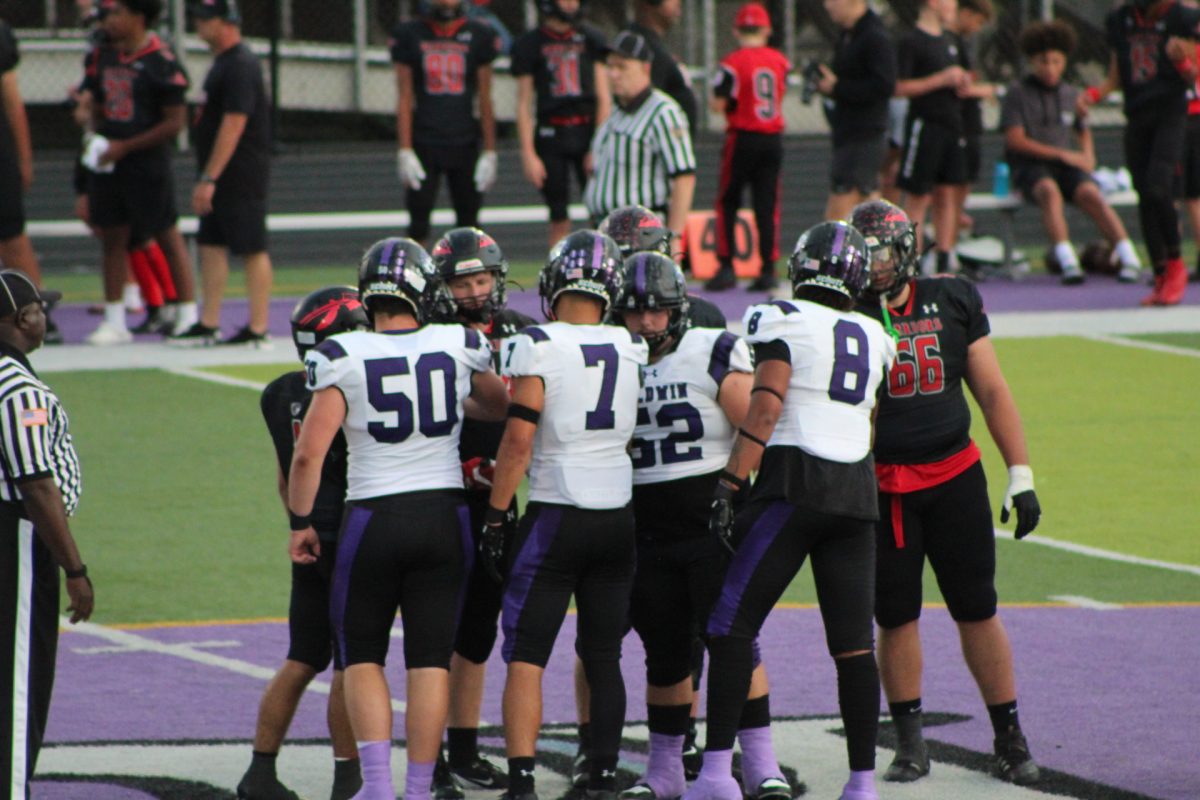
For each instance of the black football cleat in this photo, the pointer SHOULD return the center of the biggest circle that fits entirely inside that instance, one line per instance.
(264, 789)
(481, 774)
(444, 786)
(1012, 761)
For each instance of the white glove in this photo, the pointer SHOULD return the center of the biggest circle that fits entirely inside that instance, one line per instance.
(1021, 498)
(94, 146)
(409, 169)
(485, 170)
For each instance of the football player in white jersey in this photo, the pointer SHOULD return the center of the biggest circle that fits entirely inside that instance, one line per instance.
(818, 367)
(695, 393)
(575, 385)
(399, 393)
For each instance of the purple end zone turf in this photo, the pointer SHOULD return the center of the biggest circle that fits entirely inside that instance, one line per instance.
(1108, 696)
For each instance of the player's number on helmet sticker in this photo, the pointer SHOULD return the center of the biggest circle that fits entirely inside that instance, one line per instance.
(919, 368)
(605, 356)
(851, 366)
(766, 92)
(436, 411)
(666, 417)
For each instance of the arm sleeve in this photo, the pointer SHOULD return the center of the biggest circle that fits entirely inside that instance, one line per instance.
(674, 141)
(1010, 109)
(879, 82)
(724, 82)
(25, 427)
(524, 54)
(772, 351)
(767, 325)
(324, 365)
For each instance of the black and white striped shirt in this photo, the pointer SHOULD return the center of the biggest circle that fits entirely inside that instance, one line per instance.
(34, 438)
(636, 152)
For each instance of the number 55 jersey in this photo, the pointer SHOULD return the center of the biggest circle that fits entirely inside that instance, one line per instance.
(591, 379)
(404, 393)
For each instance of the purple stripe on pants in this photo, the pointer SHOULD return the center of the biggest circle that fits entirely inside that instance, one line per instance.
(749, 555)
(524, 570)
(468, 549)
(351, 538)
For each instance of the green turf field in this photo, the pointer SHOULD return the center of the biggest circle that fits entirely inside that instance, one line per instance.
(180, 519)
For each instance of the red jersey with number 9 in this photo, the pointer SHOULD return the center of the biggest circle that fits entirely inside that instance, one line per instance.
(753, 81)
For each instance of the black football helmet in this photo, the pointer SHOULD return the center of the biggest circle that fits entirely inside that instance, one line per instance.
(399, 267)
(440, 13)
(584, 261)
(334, 309)
(550, 8)
(637, 229)
(467, 251)
(653, 281)
(893, 242)
(832, 255)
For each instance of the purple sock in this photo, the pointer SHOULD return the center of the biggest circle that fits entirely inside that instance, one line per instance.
(418, 781)
(758, 757)
(861, 786)
(664, 772)
(375, 759)
(716, 778)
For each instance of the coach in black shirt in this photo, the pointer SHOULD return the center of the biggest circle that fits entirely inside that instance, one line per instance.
(232, 138)
(654, 19)
(859, 83)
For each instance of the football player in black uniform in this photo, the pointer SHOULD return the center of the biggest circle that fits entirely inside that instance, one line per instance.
(474, 269)
(1150, 57)
(334, 309)
(562, 63)
(933, 498)
(443, 62)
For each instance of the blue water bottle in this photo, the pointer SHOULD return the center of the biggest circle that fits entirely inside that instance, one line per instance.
(1000, 179)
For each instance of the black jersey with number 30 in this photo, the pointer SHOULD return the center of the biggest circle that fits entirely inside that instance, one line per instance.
(445, 60)
(1148, 78)
(923, 413)
(563, 66)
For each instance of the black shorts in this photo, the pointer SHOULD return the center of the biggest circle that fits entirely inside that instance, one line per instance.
(951, 524)
(933, 155)
(562, 151)
(773, 539)
(1026, 174)
(1191, 159)
(974, 156)
(238, 221)
(457, 163)
(411, 551)
(12, 199)
(139, 193)
(855, 165)
(563, 551)
(481, 605)
(310, 637)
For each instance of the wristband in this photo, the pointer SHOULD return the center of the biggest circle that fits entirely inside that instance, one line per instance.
(494, 517)
(751, 437)
(72, 574)
(730, 481)
(299, 522)
(1093, 94)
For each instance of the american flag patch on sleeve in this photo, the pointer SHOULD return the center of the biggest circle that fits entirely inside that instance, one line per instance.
(32, 417)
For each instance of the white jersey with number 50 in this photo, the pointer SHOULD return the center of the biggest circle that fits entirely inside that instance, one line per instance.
(404, 394)
(682, 430)
(838, 359)
(591, 378)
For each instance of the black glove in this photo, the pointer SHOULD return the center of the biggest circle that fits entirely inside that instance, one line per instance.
(497, 525)
(720, 517)
(1020, 496)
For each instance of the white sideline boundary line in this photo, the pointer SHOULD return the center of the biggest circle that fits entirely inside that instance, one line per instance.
(224, 380)
(1137, 344)
(132, 641)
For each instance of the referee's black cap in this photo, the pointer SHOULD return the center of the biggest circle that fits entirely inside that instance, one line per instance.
(18, 291)
(631, 45)
(215, 9)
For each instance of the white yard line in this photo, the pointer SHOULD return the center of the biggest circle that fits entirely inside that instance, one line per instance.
(1096, 552)
(216, 377)
(1078, 601)
(1138, 344)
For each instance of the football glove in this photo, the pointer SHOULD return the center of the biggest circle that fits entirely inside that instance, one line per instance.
(720, 517)
(478, 473)
(1020, 495)
(485, 170)
(497, 526)
(95, 146)
(409, 169)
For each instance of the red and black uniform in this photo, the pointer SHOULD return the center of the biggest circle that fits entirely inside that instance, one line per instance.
(445, 62)
(752, 80)
(234, 85)
(131, 92)
(284, 403)
(478, 445)
(932, 491)
(1190, 190)
(934, 146)
(1156, 113)
(563, 66)
(12, 204)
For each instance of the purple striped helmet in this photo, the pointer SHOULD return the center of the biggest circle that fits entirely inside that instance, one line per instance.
(584, 261)
(832, 255)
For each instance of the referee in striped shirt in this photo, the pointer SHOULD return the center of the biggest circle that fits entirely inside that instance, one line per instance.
(642, 154)
(39, 488)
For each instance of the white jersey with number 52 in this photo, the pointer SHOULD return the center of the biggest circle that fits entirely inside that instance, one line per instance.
(838, 359)
(591, 378)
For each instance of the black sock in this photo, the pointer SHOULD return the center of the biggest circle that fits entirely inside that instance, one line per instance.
(731, 662)
(669, 720)
(520, 775)
(756, 713)
(943, 261)
(262, 764)
(347, 773)
(689, 738)
(603, 777)
(905, 708)
(462, 745)
(585, 737)
(906, 717)
(858, 698)
(1004, 717)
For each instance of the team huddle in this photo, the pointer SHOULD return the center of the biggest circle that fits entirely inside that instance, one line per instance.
(678, 478)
